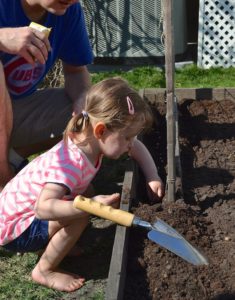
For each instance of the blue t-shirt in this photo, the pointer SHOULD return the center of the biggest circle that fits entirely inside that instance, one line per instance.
(68, 38)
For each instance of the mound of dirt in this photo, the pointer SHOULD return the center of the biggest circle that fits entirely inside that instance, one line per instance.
(204, 211)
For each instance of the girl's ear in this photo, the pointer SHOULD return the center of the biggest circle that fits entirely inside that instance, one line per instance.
(99, 130)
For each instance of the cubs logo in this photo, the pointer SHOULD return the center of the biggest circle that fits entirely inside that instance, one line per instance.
(22, 76)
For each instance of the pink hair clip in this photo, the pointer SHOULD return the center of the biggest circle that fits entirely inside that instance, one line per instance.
(130, 105)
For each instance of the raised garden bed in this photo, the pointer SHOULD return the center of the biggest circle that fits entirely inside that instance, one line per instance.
(204, 211)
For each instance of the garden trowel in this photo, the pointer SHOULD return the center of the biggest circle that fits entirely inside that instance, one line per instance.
(159, 232)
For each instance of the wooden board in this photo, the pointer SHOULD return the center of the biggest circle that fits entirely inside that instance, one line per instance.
(154, 95)
(117, 270)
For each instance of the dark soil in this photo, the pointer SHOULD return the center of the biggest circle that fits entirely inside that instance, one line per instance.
(204, 211)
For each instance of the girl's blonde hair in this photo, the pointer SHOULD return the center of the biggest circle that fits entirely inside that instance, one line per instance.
(108, 102)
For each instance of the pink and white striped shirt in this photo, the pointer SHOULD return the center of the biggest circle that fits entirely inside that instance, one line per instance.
(63, 164)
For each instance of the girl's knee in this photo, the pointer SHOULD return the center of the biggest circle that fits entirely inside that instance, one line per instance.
(84, 221)
(55, 226)
(78, 224)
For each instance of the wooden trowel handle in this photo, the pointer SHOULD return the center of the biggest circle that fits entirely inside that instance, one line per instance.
(93, 207)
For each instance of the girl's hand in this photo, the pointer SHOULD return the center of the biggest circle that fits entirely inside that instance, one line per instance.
(112, 200)
(155, 190)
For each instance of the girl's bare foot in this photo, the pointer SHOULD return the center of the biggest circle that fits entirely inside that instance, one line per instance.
(58, 279)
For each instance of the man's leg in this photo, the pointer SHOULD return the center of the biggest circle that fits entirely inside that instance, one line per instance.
(39, 121)
(5, 130)
(37, 124)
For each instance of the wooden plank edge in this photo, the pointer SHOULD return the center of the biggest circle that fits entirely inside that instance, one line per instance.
(159, 94)
(117, 270)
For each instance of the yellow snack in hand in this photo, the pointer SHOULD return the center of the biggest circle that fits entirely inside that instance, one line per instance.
(40, 28)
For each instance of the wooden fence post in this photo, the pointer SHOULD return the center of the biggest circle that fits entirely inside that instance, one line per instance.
(170, 116)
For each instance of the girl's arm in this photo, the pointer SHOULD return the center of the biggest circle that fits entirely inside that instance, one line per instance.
(141, 154)
(50, 205)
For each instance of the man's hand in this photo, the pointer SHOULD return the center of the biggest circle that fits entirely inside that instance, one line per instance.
(27, 42)
(79, 104)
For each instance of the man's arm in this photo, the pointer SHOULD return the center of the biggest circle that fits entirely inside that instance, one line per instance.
(5, 130)
(77, 82)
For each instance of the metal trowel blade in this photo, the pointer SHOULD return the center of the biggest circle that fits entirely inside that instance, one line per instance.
(169, 238)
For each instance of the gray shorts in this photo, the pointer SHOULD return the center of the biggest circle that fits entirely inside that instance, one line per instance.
(40, 116)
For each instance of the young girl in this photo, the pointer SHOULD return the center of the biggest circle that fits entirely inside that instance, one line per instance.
(36, 206)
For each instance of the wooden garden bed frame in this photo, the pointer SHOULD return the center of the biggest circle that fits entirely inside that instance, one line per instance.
(117, 270)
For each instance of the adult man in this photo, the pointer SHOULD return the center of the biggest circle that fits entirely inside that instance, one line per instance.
(33, 120)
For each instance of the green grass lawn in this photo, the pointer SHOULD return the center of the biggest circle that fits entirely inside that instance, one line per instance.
(15, 270)
(188, 77)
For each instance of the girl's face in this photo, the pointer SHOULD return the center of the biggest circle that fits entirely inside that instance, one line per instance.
(114, 144)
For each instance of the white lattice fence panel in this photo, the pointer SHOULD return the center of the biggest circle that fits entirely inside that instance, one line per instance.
(216, 38)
